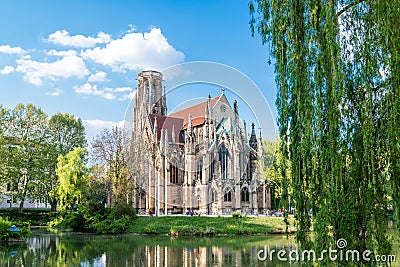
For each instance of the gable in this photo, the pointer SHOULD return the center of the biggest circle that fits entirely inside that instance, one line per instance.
(222, 109)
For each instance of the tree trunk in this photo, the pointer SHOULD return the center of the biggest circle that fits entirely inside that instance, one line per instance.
(21, 205)
(53, 205)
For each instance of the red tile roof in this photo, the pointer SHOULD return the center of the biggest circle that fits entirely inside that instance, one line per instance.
(195, 111)
(179, 120)
(195, 122)
(168, 123)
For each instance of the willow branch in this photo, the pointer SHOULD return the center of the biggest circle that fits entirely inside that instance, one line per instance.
(348, 7)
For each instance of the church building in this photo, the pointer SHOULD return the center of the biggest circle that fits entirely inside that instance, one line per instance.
(198, 158)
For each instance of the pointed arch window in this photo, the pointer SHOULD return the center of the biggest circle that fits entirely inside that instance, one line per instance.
(199, 173)
(153, 92)
(212, 166)
(223, 160)
(175, 174)
(146, 86)
(228, 196)
(213, 196)
(245, 196)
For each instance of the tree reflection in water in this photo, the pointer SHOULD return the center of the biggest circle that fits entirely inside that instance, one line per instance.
(72, 249)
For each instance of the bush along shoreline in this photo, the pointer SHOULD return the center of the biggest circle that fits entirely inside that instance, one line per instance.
(122, 219)
(100, 221)
(10, 233)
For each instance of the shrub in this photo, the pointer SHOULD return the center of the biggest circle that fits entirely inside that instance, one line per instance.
(4, 225)
(185, 230)
(6, 235)
(209, 231)
(74, 221)
(235, 215)
(109, 221)
(122, 209)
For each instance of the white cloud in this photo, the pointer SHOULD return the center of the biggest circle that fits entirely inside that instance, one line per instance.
(108, 93)
(6, 49)
(62, 37)
(55, 92)
(62, 53)
(99, 76)
(120, 89)
(137, 51)
(26, 56)
(89, 89)
(68, 66)
(7, 70)
(126, 97)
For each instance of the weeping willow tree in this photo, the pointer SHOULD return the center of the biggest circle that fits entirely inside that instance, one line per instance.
(337, 66)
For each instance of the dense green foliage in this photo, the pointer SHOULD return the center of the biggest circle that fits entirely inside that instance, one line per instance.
(66, 134)
(30, 217)
(338, 78)
(71, 172)
(6, 235)
(30, 143)
(273, 174)
(104, 221)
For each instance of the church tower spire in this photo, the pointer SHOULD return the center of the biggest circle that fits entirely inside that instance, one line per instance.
(253, 138)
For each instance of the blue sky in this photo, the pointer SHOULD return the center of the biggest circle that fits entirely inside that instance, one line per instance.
(82, 57)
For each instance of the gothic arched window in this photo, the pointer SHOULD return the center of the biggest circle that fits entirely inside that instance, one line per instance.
(223, 160)
(153, 92)
(245, 194)
(174, 174)
(146, 85)
(228, 196)
(213, 196)
(199, 173)
(212, 166)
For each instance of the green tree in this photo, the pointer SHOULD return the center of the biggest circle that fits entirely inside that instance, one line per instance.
(108, 149)
(272, 172)
(3, 123)
(66, 133)
(338, 80)
(24, 140)
(72, 173)
(95, 191)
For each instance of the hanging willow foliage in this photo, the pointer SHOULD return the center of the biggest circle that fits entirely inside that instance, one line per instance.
(338, 79)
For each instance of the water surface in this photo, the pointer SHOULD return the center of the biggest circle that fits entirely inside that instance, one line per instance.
(74, 249)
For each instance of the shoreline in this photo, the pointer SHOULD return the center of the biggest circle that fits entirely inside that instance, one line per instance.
(175, 225)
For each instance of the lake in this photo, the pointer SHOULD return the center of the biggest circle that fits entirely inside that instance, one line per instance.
(73, 249)
(45, 248)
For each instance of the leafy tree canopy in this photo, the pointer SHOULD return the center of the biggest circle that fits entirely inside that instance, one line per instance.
(338, 78)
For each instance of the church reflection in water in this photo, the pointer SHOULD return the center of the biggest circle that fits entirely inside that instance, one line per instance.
(46, 249)
(198, 256)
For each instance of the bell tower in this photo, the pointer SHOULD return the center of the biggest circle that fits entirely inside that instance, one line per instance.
(151, 98)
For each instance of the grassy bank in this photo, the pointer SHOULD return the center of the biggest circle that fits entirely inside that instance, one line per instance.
(185, 225)
(171, 225)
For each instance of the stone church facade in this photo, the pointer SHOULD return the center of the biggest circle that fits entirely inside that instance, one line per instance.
(197, 158)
